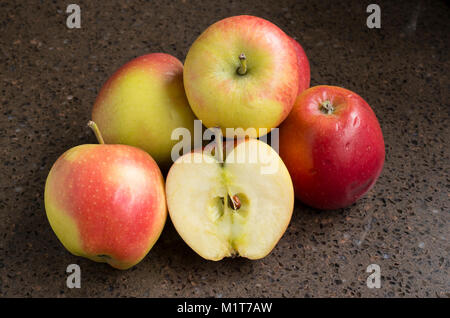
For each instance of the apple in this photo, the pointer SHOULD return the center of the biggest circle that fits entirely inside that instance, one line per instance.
(106, 202)
(304, 76)
(238, 206)
(142, 103)
(333, 147)
(242, 72)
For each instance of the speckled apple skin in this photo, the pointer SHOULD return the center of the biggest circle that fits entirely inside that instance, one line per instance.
(219, 96)
(142, 103)
(333, 159)
(304, 71)
(106, 200)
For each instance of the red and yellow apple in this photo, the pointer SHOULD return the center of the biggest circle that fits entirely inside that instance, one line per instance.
(242, 72)
(238, 206)
(333, 147)
(142, 103)
(106, 203)
(304, 72)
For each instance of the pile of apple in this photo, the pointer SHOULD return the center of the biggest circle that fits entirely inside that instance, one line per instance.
(108, 202)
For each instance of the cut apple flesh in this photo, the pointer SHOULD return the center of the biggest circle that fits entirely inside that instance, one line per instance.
(239, 207)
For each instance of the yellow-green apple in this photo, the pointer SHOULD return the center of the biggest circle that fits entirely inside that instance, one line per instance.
(106, 202)
(304, 72)
(242, 72)
(238, 206)
(333, 147)
(142, 103)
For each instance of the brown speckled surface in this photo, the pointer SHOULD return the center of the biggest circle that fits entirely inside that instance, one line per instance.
(49, 78)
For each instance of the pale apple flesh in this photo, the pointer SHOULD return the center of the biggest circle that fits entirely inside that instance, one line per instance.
(231, 208)
(106, 203)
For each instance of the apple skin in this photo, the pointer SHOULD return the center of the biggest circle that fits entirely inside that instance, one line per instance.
(336, 158)
(304, 77)
(106, 200)
(142, 103)
(261, 98)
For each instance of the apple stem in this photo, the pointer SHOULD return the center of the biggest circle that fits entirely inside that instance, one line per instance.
(91, 124)
(326, 107)
(242, 69)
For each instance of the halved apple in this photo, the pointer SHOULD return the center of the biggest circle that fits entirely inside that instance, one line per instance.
(238, 206)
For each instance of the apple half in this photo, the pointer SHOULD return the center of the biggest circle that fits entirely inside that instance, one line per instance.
(240, 206)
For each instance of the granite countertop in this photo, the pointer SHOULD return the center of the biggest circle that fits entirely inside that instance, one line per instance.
(50, 76)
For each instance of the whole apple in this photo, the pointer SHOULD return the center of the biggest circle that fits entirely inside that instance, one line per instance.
(142, 103)
(242, 72)
(106, 203)
(240, 205)
(304, 72)
(333, 147)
